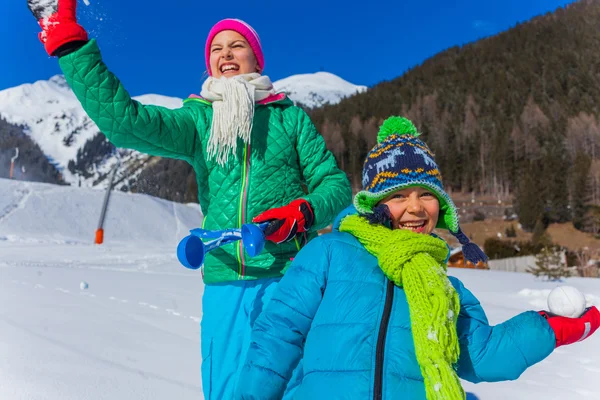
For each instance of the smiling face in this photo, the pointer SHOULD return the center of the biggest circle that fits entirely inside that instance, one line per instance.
(230, 55)
(415, 209)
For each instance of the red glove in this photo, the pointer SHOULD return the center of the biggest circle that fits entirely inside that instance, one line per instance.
(572, 330)
(296, 217)
(58, 21)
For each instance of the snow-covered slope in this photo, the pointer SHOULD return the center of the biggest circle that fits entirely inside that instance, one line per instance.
(82, 321)
(54, 119)
(134, 332)
(314, 90)
(44, 213)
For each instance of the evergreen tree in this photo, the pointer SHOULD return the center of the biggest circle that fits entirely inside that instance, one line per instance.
(529, 205)
(591, 222)
(494, 110)
(581, 194)
(511, 232)
(32, 164)
(93, 153)
(539, 235)
(182, 185)
(553, 178)
(549, 264)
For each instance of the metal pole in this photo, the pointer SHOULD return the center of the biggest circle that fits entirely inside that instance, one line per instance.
(100, 231)
(12, 162)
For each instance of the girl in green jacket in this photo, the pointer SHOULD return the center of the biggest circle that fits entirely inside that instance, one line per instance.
(257, 158)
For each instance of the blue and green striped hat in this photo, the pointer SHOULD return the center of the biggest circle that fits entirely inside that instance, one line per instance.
(401, 160)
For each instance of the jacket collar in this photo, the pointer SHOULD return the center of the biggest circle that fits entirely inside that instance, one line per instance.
(275, 98)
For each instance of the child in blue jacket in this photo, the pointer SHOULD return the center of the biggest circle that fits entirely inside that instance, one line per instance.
(370, 309)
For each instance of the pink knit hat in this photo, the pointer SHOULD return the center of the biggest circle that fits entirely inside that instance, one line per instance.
(243, 29)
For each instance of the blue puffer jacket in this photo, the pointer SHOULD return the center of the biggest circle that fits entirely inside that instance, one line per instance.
(350, 325)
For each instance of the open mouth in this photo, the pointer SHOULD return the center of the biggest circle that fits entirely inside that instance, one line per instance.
(415, 226)
(229, 68)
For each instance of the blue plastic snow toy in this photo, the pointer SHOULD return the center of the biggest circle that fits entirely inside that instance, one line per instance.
(191, 249)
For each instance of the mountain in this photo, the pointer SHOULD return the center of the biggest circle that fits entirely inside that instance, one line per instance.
(50, 114)
(318, 89)
(52, 117)
(516, 113)
(23, 158)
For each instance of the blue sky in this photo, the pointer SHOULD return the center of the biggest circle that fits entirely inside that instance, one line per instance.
(156, 46)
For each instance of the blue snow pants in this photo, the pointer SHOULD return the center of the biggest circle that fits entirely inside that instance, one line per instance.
(229, 312)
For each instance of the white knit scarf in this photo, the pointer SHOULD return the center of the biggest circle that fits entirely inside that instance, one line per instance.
(233, 102)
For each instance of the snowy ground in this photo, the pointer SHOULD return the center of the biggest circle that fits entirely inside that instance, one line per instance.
(571, 372)
(134, 332)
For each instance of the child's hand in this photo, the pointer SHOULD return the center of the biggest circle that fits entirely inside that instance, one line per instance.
(572, 330)
(58, 20)
(292, 219)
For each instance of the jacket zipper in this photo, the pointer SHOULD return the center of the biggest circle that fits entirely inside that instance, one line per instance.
(242, 209)
(379, 350)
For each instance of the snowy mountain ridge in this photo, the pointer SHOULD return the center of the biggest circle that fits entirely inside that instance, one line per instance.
(318, 89)
(53, 117)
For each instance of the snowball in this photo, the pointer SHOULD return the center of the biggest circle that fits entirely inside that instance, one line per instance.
(86, 2)
(437, 387)
(43, 8)
(566, 301)
(83, 285)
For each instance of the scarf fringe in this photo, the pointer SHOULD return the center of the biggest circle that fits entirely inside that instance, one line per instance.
(233, 101)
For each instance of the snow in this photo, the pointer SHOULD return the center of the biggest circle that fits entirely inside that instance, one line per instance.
(134, 332)
(55, 120)
(44, 8)
(314, 90)
(29, 210)
(570, 371)
(567, 301)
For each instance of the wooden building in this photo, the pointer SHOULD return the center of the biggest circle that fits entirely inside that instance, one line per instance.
(457, 260)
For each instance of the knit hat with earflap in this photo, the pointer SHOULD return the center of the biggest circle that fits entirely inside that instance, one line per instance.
(244, 29)
(401, 160)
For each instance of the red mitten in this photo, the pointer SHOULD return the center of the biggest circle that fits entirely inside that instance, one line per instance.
(58, 21)
(296, 217)
(572, 330)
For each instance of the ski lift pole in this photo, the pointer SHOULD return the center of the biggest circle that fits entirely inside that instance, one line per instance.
(100, 231)
(12, 162)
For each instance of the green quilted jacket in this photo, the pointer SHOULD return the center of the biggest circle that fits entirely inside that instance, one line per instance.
(285, 155)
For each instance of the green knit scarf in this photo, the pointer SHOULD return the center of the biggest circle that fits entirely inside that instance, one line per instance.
(416, 262)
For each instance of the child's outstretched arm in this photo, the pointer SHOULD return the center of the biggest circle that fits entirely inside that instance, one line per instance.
(501, 352)
(329, 190)
(125, 122)
(278, 336)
